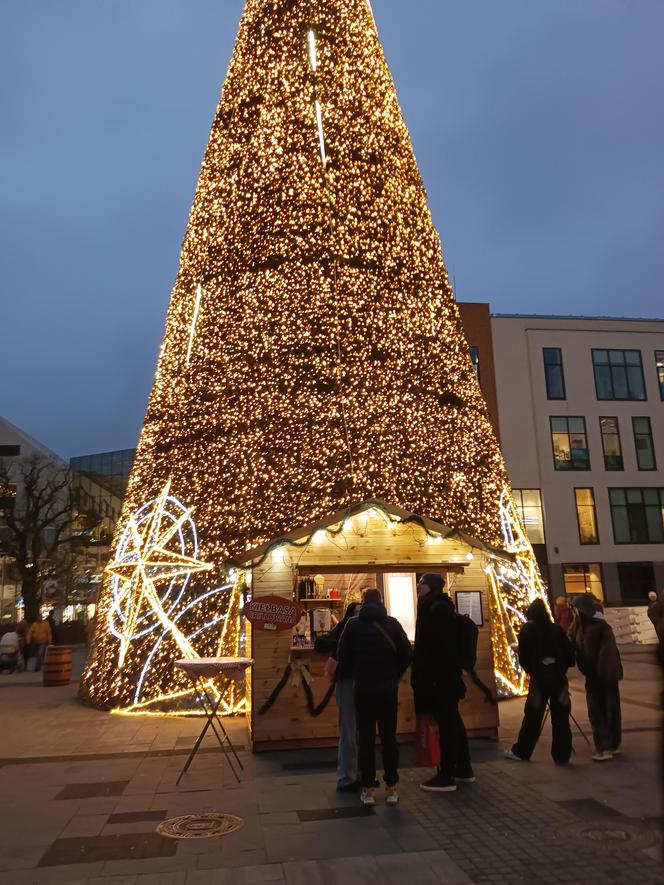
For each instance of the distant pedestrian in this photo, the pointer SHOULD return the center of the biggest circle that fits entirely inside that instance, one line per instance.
(375, 651)
(39, 638)
(10, 657)
(545, 653)
(437, 680)
(656, 615)
(598, 659)
(347, 762)
(563, 613)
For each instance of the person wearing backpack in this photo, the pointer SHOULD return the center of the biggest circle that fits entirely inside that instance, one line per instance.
(375, 651)
(598, 659)
(347, 764)
(442, 640)
(545, 653)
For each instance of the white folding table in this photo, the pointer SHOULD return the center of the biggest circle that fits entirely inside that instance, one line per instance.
(200, 671)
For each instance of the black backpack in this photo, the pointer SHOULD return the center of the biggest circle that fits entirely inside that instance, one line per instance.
(467, 637)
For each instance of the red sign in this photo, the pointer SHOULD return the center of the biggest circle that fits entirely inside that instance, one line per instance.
(272, 613)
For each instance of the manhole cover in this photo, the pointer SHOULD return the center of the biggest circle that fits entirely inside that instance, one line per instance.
(609, 834)
(200, 826)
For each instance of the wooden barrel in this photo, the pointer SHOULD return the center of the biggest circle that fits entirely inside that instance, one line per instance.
(57, 665)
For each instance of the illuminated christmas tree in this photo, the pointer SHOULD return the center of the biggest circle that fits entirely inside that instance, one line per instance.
(313, 357)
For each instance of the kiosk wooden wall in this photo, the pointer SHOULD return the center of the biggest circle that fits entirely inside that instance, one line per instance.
(372, 543)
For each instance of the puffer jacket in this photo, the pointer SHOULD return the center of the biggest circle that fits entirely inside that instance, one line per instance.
(40, 633)
(545, 652)
(367, 655)
(437, 674)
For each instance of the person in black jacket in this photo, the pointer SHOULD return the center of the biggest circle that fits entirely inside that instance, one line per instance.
(437, 681)
(375, 650)
(545, 653)
(347, 763)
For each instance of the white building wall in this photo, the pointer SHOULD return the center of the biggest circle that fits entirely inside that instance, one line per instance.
(524, 412)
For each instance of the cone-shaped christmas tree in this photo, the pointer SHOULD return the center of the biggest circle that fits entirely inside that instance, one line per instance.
(313, 358)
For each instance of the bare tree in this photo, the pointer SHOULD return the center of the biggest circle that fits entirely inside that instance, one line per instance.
(41, 525)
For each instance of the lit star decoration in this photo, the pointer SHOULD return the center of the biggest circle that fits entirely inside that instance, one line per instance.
(144, 563)
(314, 357)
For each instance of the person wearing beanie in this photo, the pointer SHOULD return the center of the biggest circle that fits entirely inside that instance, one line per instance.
(598, 658)
(437, 681)
(545, 653)
(375, 652)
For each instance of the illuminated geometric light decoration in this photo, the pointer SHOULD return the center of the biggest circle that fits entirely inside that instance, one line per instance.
(314, 357)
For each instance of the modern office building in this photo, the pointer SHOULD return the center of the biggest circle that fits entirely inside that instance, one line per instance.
(99, 482)
(580, 416)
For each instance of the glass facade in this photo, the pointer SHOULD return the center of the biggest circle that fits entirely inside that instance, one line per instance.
(553, 372)
(645, 452)
(570, 444)
(611, 446)
(637, 580)
(529, 506)
(586, 516)
(659, 362)
(475, 360)
(583, 577)
(98, 486)
(638, 515)
(619, 375)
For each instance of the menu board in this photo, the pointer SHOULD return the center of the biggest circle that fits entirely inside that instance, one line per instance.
(469, 602)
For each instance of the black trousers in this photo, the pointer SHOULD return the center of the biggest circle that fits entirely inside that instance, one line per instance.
(604, 713)
(454, 750)
(533, 716)
(377, 707)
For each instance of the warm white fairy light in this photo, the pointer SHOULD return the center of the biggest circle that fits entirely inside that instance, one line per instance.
(333, 366)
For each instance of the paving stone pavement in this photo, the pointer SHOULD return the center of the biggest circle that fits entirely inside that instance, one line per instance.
(83, 793)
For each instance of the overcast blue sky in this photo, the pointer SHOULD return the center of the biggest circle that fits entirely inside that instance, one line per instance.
(538, 128)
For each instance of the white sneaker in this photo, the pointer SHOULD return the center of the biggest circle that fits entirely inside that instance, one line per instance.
(616, 752)
(605, 756)
(509, 754)
(392, 795)
(367, 796)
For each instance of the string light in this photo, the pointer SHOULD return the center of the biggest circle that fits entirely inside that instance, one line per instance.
(329, 367)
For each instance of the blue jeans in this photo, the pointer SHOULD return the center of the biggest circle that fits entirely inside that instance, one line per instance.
(347, 772)
(39, 657)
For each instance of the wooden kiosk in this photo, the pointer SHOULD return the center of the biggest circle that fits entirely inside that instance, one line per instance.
(326, 567)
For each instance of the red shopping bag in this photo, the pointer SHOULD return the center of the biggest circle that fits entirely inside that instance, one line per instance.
(427, 744)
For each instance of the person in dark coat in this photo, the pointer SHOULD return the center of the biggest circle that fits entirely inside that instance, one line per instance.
(545, 653)
(375, 651)
(598, 659)
(347, 762)
(437, 681)
(656, 616)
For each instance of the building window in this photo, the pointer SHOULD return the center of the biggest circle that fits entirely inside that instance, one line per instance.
(637, 580)
(659, 361)
(638, 515)
(645, 453)
(475, 360)
(619, 374)
(7, 499)
(570, 444)
(586, 517)
(583, 577)
(529, 506)
(553, 373)
(10, 451)
(610, 430)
